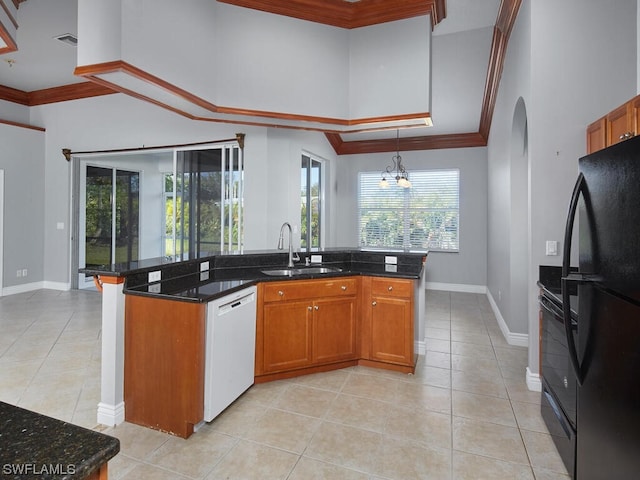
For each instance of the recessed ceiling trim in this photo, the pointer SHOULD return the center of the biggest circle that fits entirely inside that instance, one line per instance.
(425, 142)
(72, 91)
(344, 14)
(126, 78)
(22, 125)
(14, 95)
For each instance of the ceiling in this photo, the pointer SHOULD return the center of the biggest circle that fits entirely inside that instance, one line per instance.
(42, 69)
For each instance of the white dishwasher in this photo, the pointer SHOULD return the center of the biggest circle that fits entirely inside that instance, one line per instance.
(230, 349)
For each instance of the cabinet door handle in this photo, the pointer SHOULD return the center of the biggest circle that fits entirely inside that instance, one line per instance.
(390, 288)
(626, 135)
(316, 307)
(343, 287)
(373, 304)
(280, 292)
(309, 308)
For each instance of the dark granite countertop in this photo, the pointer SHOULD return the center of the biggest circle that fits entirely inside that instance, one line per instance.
(34, 446)
(234, 273)
(145, 265)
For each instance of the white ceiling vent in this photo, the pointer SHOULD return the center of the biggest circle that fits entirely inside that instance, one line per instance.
(68, 38)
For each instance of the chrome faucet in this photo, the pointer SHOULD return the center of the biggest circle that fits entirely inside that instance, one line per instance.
(292, 256)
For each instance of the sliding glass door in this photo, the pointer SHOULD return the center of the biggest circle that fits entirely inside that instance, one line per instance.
(207, 205)
(111, 227)
(163, 203)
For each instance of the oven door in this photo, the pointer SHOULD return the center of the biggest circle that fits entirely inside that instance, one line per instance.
(556, 364)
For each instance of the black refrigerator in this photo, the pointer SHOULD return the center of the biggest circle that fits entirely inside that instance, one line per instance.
(605, 351)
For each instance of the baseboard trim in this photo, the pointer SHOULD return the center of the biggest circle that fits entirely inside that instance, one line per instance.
(534, 383)
(62, 286)
(456, 287)
(110, 415)
(420, 347)
(30, 287)
(515, 339)
(23, 288)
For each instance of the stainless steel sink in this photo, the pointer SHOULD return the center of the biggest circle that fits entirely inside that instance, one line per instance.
(290, 272)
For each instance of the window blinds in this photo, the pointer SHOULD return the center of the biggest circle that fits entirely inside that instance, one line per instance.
(425, 216)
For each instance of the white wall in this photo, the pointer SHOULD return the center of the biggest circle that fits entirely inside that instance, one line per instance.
(468, 266)
(14, 112)
(459, 71)
(22, 160)
(571, 62)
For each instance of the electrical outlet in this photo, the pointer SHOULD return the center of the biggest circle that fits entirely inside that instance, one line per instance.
(390, 260)
(24, 272)
(18, 273)
(204, 266)
(316, 258)
(155, 276)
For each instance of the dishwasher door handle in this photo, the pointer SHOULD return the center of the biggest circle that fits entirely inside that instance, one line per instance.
(235, 303)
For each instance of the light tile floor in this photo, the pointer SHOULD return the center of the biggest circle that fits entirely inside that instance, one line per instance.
(465, 414)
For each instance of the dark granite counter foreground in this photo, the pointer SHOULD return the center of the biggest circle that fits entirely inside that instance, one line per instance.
(227, 274)
(34, 446)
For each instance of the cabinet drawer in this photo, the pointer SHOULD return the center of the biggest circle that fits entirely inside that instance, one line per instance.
(391, 287)
(298, 289)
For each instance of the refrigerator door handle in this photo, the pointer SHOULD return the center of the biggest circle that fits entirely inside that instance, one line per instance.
(566, 280)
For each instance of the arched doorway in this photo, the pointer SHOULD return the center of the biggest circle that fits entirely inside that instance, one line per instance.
(519, 220)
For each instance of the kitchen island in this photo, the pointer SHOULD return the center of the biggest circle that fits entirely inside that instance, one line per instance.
(375, 336)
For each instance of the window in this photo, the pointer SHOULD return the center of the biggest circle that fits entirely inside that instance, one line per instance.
(424, 216)
(311, 203)
(204, 206)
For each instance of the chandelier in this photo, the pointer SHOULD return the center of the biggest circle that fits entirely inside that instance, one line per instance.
(396, 170)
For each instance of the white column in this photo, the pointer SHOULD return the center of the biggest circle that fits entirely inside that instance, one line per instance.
(111, 406)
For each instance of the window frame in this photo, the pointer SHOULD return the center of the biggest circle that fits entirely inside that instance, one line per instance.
(313, 162)
(400, 204)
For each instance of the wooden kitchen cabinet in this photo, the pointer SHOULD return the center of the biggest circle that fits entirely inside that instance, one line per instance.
(620, 124)
(164, 360)
(305, 325)
(388, 323)
(335, 330)
(286, 335)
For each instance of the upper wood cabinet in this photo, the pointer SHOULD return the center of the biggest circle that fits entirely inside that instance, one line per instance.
(616, 126)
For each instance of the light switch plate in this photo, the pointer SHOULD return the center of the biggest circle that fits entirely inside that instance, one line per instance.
(552, 247)
(204, 266)
(316, 258)
(389, 260)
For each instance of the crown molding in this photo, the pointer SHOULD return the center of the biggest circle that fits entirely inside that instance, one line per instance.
(110, 74)
(22, 125)
(501, 32)
(64, 93)
(344, 14)
(425, 142)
